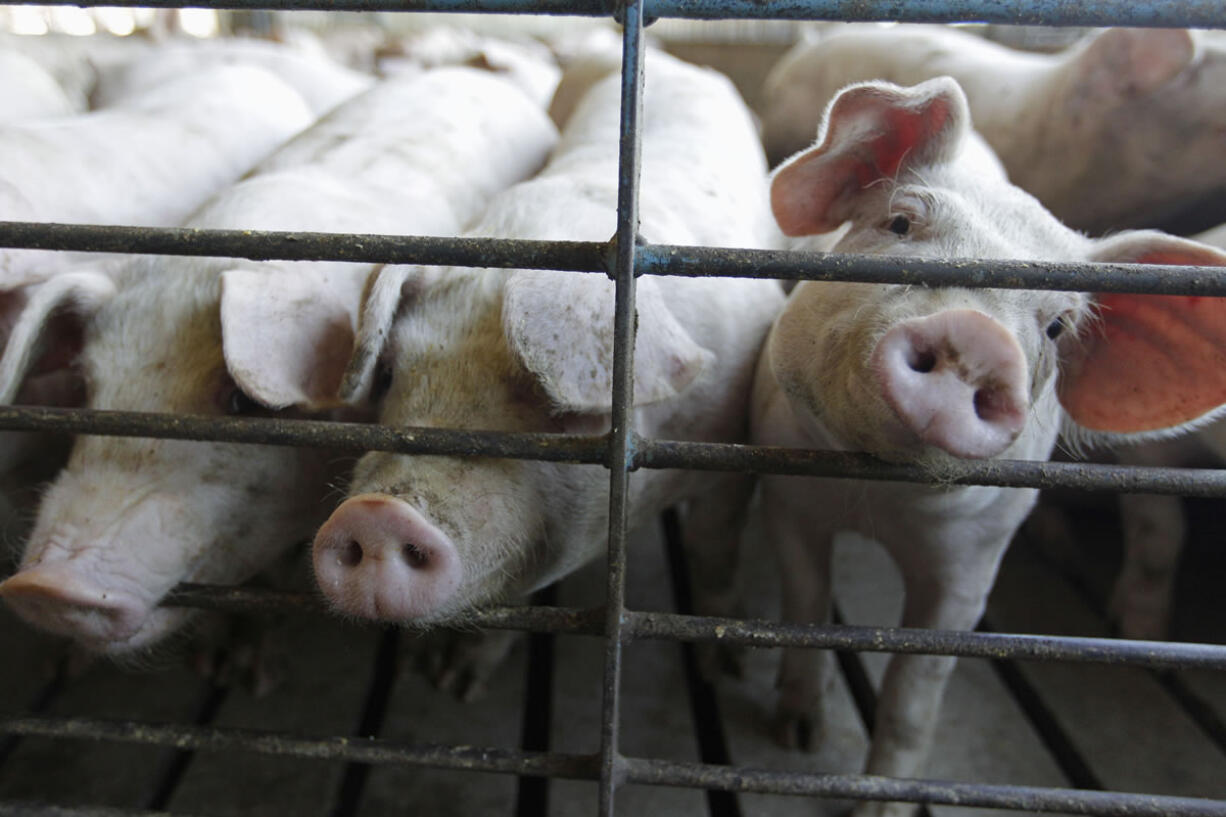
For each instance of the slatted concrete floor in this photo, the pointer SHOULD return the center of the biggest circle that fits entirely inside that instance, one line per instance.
(1040, 724)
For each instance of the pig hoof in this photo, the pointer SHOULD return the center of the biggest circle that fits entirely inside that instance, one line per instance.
(461, 664)
(247, 657)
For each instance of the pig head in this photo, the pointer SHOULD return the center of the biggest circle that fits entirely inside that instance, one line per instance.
(127, 519)
(931, 375)
(428, 538)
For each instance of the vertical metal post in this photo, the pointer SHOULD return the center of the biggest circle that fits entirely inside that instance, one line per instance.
(622, 436)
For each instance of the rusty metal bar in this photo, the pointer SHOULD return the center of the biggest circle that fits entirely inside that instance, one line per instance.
(942, 792)
(655, 626)
(261, 245)
(1148, 279)
(589, 450)
(646, 771)
(1156, 13)
(590, 256)
(22, 808)
(622, 436)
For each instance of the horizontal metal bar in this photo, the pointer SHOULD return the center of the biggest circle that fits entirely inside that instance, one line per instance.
(26, 808)
(356, 437)
(653, 626)
(350, 749)
(943, 792)
(758, 633)
(645, 771)
(254, 600)
(1148, 279)
(260, 245)
(1168, 13)
(590, 256)
(585, 450)
(1082, 476)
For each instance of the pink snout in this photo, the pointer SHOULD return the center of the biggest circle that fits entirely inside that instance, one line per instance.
(957, 380)
(376, 557)
(55, 597)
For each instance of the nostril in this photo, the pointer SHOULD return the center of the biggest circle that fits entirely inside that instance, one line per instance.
(351, 554)
(991, 404)
(921, 360)
(415, 556)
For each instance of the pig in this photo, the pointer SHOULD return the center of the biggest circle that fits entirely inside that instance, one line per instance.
(128, 519)
(424, 540)
(323, 84)
(524, 61)
(1122, 130)
(148, 162)
(29, 91)
(928, 376)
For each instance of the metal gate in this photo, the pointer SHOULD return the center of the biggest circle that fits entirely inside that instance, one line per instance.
(623, 450)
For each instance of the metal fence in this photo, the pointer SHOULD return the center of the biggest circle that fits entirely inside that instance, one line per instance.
(622, 450)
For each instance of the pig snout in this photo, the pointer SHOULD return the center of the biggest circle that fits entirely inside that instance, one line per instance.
(57, 598)
(956, 380)
(377, 557)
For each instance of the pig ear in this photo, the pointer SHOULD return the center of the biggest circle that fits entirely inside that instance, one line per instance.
(562, 330)
(286, 341)
(386, 287)
(1122, 63)
(1147, 363)
(43, 323)
(871, 131)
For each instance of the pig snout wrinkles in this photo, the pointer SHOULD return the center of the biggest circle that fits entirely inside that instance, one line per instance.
(956, 379)
(56, 597)
(377, 557)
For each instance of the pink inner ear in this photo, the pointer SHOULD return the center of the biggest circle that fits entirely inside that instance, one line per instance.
(1153, 362)
(902, 132)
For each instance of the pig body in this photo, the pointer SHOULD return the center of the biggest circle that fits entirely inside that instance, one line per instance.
(524, 61)
(149, 162)
(127, 519)
(322, 83)
(928, 376)
(1118, 131)
(28, 91)
(426, 539)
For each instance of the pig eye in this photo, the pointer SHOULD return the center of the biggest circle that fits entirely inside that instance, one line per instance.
(1055, 328)
(237, 402)
(233, 400)
(383, 381)
(899, 225)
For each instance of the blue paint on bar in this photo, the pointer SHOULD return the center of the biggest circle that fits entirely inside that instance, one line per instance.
(1155, 13)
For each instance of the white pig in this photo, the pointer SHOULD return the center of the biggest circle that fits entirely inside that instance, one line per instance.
(27, 90)
(426, 538)
(148, 162)
(322, 83)
(926, 376)
(128, 519)
(1123, 130)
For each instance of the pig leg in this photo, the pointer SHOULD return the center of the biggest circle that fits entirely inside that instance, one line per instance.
(462, 663)
(949, 596)
(805, 675)
(712, 541)
(1154, 528)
